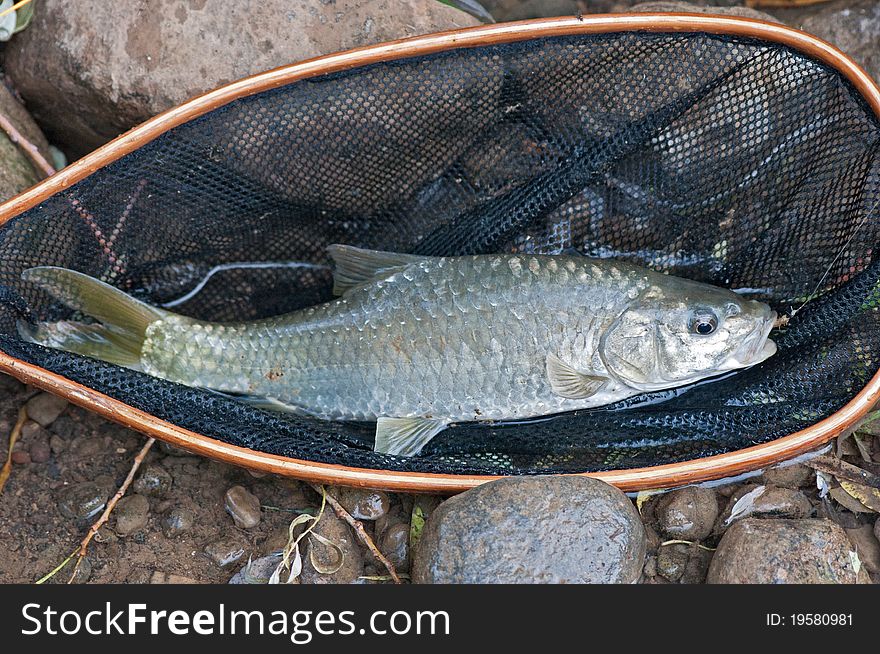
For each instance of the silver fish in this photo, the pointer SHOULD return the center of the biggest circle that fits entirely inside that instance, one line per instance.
(416, 343)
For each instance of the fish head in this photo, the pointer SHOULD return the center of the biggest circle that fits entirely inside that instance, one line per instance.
(678, 332)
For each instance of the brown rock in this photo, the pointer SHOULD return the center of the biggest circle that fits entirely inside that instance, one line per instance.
(795, 475)
(394, 544)
(784, 551)
(92, 70)
(687, 513)
(16, 170)
(45, 408)
(763, 501)
(867, 547)
(362, 503)
(154, 481)
(243, 506)
(227, 550)
(132, 514)
(346, 570)
(40, 451)
(21, 457)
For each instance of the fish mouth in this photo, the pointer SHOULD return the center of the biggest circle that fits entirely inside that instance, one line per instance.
(757, 346)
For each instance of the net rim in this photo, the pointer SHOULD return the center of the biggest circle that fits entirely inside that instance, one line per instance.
(668, 475)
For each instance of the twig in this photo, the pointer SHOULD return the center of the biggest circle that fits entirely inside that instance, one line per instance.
(37, 159)
(358, 527)
(6, 470)
(110, 506)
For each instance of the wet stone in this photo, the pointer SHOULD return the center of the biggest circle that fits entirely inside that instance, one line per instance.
(45, 408)
(227, 550)
(83, 501)
(779, 551)
(40, 451)
(21, 457)
(257, 571)
(763, 501)
(30, 429)
(132, 514)
(866, 546)
(687, 513)
(394, 544)
(331, 569)
(796, 475)
(65, 427)
(672, 561)
(243, 506)
(361, 503)
(578, 530)
(177, 521)
(86, 447)
(154, 481)
(57, 444)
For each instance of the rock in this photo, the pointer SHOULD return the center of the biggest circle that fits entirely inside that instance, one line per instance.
(57, 444)
(30, 429)
(763, 501)
(87, 447)
(795, 475)
(45, 408)
(257, 571)
(91, 71)
(672, 561)
(40, 451)
(394, 544)
(346, 571)
(227, 550)
(132, 514)
(154, 481)
(362, 503)
(687, 513)
(866, 546)
(697, 566)
(877, 529)
(784, 551)
(243, 506)
(16, 170)
(21, 457)
(83, 501)
(177, 521)
(83, 573)
(687, 7)
(159, 577)
(545, 529)
(65, 427)
(851, 25)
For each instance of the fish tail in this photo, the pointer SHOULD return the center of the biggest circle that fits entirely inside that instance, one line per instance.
(117, 338)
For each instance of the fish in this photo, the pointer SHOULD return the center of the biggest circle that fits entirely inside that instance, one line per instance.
(416, 343)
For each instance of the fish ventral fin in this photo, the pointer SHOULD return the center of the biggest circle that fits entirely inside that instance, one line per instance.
(124, 320)
(356, 266)
(406, 436)
(569, 383)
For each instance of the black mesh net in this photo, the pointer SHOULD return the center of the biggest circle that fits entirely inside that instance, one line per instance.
(739, 163)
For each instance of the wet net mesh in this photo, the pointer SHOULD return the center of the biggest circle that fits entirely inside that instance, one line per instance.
(739, 163)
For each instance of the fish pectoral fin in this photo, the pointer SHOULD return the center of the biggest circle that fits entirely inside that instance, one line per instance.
(356, 266)
(406, 436)
(259, 401)
(567, 382)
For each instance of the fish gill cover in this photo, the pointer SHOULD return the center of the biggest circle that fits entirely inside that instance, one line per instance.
(734, 162)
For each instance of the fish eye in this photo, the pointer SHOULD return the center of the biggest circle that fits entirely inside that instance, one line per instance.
(703, 323)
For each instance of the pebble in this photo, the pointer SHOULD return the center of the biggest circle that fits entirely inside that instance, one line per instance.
(257, 571)
(361, 503)
(57, 444)
(394, 544)
(774, 551)
(867, 547)
(65, 427)
(226, 550)
(763, 501)
(177, 521)
(687, 513)
(132, 514)
(243, 506)
(30, 429)
(577, 530)
(21, 457)
(672, 561)
(346, 571)
(82, 501)
(154, 481)
(795, 475)
(87, 447)
(45, 408)
(40, 451)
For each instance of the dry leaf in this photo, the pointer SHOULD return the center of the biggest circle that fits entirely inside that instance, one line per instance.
(847, 501)
(869, 497)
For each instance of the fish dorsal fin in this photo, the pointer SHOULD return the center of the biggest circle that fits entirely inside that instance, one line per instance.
(355, 266)
(405, 436)
(567, 382)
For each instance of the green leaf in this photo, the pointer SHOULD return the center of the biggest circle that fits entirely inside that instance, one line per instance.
(24, 16)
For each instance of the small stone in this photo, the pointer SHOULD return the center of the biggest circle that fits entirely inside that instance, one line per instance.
(394, 544)
(87, 447)
(226, 550)
(877, 529)
(697, 566)
(774, 551)
(867, 547)
(45, 408)
(687, 513)
(763, 501)
(65, 427)
(83, 573)
(21, 457)
(331, 568)
(361, 503)
(40, 451)
(257, 571)
(650, 569)
(796, 475)
(577, 529)
(30, 429)
(243, 506)
(83, 501)
(57, 444)
(154, 481)
(177, 521)
(672, 561)
(132, 514)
